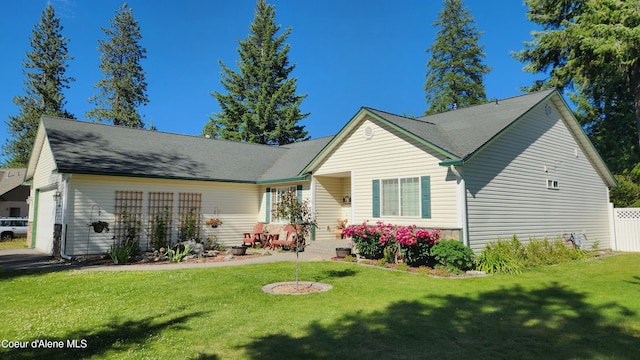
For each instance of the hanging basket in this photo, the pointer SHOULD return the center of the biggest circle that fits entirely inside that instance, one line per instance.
(99, 226)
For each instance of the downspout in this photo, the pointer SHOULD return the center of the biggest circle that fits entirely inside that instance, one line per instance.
(312, 189)
(461, 197)
(63, 218)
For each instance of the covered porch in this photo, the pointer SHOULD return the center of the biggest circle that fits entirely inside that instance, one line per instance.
(332, 201)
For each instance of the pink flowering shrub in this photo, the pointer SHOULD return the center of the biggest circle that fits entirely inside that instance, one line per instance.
(370, 240)
(374, 241)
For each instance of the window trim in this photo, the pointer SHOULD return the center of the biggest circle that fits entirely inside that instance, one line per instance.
(418, 198)
(273, 197)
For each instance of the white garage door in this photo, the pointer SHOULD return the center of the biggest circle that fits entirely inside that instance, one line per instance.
(45, 219)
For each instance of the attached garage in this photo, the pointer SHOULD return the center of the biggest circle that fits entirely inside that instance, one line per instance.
(45, 216)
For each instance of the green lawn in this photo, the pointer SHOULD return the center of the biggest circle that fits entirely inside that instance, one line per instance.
(582, 310)
(17, 243)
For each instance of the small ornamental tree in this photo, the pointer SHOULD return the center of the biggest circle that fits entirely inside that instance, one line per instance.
(299, 214)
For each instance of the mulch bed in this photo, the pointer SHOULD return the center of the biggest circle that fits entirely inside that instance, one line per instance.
(425, 270)
(104, 260)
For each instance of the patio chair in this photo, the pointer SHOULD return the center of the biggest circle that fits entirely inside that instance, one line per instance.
(286, 237)
(254, 237)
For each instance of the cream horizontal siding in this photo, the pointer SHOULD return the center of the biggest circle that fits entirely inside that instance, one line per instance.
(44, 175)
(328, 205)
(262, 213)
(237, 204)
(390, 154)
(507, 186)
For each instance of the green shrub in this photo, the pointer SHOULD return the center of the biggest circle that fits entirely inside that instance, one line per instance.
(418, 254)
(511, 256)
(120, 252)
(178, 253)
(491, 261)
(453, 255)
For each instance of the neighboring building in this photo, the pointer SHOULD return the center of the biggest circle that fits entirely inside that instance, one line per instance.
(518, 166)
(13, 193)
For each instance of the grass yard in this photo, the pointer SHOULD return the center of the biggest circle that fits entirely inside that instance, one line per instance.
(582, 310)
(17, 243)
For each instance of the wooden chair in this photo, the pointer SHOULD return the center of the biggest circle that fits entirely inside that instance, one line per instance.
(287, 237)
(254, 237)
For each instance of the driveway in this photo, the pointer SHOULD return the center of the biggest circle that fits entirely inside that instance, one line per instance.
(30, 259)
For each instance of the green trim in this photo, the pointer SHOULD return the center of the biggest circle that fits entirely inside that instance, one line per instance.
(268, 206)
(375, 197)
(452, 162)
(34, 224)
(297, 178)
(425, 188)
(360, 115)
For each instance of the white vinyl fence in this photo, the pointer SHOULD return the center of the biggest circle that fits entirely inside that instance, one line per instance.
(626, 224)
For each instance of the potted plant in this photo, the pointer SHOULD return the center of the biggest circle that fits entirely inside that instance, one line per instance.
(342, 252)
(238, 250)
(213, 222)
(99, 226)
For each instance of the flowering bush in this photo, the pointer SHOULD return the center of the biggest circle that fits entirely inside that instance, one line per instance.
(370, 240)
(376, 241)
(213, 222)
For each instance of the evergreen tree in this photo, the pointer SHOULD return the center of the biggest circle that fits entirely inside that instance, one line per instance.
(45, 69)
(124, 87)
(261, 104)
(455, 69)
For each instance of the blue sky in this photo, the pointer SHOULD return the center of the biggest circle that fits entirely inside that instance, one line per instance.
(348, 53)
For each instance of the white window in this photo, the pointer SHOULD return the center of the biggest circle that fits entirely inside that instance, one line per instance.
(401, 197)
(552, 184)
(276, 196)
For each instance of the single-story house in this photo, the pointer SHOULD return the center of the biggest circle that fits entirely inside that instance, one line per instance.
(13, 193)
(519, 166)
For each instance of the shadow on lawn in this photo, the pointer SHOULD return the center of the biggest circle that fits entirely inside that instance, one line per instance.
(511, 323)
(120, 337)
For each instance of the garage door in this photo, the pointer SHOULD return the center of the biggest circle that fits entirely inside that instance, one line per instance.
(45, 219)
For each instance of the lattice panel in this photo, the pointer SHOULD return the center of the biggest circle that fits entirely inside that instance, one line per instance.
(628, 214)
(128, 211)
(160, 219)
(190, 215)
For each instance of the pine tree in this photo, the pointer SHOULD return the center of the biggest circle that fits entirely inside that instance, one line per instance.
(124, 87)
(455, 69)
(45, 69)
(261, 104)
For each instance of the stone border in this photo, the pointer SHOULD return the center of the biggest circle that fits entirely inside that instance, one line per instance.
(318, 287)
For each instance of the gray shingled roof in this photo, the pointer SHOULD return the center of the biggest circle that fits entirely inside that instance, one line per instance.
(462, 132)
(91, 148)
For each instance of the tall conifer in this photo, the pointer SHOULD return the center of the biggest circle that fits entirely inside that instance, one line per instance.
(124, 87)
(455, 69)
(261, 104)
(45, 68)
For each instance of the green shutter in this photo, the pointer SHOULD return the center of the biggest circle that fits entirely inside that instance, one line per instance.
(299, 193)
(375, 186)
(425, 189)
(268, 206)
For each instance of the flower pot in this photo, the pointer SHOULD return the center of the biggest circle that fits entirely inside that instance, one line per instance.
(238, 250)
(343, 252)
(214, 226)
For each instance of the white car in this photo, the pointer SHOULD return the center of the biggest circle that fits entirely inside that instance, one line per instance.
(13, 227)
